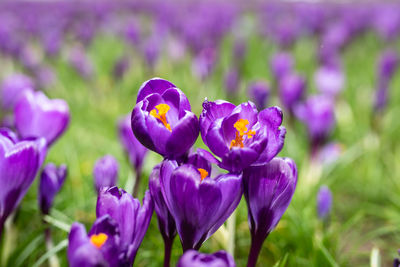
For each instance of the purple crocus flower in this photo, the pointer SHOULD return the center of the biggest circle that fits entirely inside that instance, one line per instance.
(324, 202)
(193, 258)
(81, 63)
(318, 114)
(12, 88)
(131, 218)
(105, 172)
(19, 164)
(239, 50)
(166, 222)
(268, 190)
(198, 203)
(259, 93)
(232, 81)
(51, 181)
(330, 153)
(291, 90)
(329, 80)
(281, 64)
(133, 148)
(240, 135)
(204, 63)
(100, 247)
(37, 116)
(162, 119)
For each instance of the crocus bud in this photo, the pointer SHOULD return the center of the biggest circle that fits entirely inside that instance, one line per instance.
(12, 88)
(81, 63)
(121, 67)
(324, 202)
(105, 172)
(162, 119)
(20, 162)
(259, 93)
(198, 203)
(291, 90)
(281, 64)
(51, 181)
(131, 218)
(133, 148)
(193, 258)
(268, 190)
(37, 116)
(204, 63)
(239, 50)
(388, 64)
(317, 113)
(240, 135)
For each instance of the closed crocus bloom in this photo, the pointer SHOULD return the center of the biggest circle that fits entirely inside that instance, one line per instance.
(135, 150)
(12, 88)
(240, 135)
(317, 113)
(291, 90)
(166, 222)
(37, 116)
(193, 258)
(162, 119)
(329, 80)
(101, 247)
(268, 190)
(204, 63)
(259, 93)
(19, 164)
(105, 172)
(51, 181)
(281, 64)
(324, 202)
(198, 203)
(121, 67)
(81, 63)
(131, 218)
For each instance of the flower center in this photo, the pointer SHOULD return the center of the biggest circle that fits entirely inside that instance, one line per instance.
(161, 114)
(203, 173)
(98, 240)
(241, 131)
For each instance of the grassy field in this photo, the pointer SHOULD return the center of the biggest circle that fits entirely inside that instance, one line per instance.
(365, 181)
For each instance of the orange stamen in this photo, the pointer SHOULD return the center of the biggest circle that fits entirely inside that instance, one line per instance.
(161, 114)
(203, 173)
(241, 127)
(98, 240)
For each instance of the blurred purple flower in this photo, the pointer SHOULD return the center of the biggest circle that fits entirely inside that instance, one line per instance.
(105, 172)
(232, 82)
(51, 181)
(80, 62)
(37, 116)
(291, 90)
(281, 64)
(121, 67)
(330, 153)
(12, 88)
(259, 93)
(329, 80)
(204, 63)
(192, 258)
(324, 202)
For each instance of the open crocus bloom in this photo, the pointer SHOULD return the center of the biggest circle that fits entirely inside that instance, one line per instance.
(240, 135)
(198, 203)
(192, 258)
(162, 119)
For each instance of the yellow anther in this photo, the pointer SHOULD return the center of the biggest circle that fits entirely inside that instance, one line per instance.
(98, 240)
(203, 173)
(161, 114)
(241, 127)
